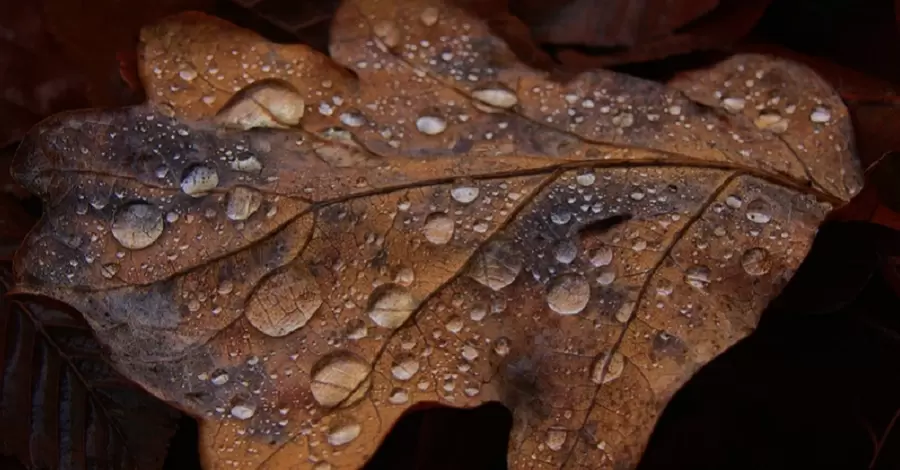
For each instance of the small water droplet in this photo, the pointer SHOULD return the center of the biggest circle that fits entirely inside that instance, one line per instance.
(469, 352)
(338, 378)
(390, 306)
(601, 256)
(756, 261)
(242, 203)
(454, 324)
(225, 287)
(187, 74)
(664, 288)
(353, 118)
(586, 179)
(733, 202)
(496, 265)
(438, 228)
(496, 97)
(219, 378)
(568, 294)
(759, 211)
(405, 276)
(502, 346)
(464, 194)
(560, 216)
(606, 275)
(478, 312)
(199, 180)
(734, 105)
(398, 396)
(566, 251)
(343, 433)
(137, 225)
(357, 329)
(431, 125)
(698, 277)
(771, 121)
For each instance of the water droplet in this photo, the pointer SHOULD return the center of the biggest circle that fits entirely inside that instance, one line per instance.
(357, 329)
(664, 288)
(388, 33)
(431, 125)
(405, 276)
(756, 261)
(247, 165)
(734, 105)
(820, 115)
(285, 302)
(438, 228)
(352, 118)
(568, 294)
(225, 287)
(478, 312)
(586, 178)
(454, 324)
(243, 411)
(219, 378)
(556, 439)
(391, 305)
(502, 346)
(398, 396)
(616, 364)
(770, 121)
(404, 367)
(759, 211)
(606, 275)
(338, 378)
(601, 256)
(343, 433)
(623, 314)
(733, 202)
(199, 180)
(697, 277)
(137, 225)
(469, 352)
(109, 270)
(560, 217)
(566, 251)
(188, 74)
(464, 194)
(242, 203)
(496, 265)
(496, 97)
(263, 104)
(429, 16)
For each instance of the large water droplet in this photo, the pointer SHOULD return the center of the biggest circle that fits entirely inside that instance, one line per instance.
(759, 211)
(199, 180)
(243, 410)
(566, 251)
(496, 265)
(438, 228)
(464, 194)
(391, 305)
(242, 203)
(137, 225)
(756, 261)
(404, 367)
(568, 294)
(607, 368)
(601, 256)
(497, 97)
(284, 302)
(431, 125)
(343, 433)
(697, 277)
(556, 439)
(267, 103)
(338, 378)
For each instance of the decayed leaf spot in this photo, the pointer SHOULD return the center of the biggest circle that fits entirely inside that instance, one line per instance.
(297, 253)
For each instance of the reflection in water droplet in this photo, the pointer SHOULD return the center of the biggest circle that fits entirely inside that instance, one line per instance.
(464, 194)
(603, 373)
(343, 433)
(242, 203)
(568, 294)
(556, 438)
(390, 306)
(438, 228)
(431, 125)
(199, 180)
(243, 411)
(759, 211)
(697, 277)
(756, 261)
(496, 97)
(137, 225)
(338, 378)
(496, 265)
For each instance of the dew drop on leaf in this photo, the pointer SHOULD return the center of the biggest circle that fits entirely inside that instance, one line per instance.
(137, 225)
(568, 294)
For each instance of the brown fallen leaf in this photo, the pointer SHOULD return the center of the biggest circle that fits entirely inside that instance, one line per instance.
(62, 405)
(296, 254)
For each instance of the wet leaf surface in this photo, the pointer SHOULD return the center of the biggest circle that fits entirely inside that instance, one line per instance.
(62, 404)
(297, 248)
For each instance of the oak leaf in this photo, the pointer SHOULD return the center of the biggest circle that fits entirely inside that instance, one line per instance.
(297, 248)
